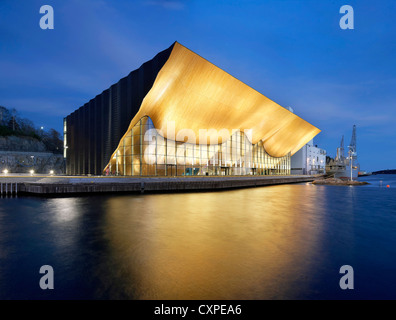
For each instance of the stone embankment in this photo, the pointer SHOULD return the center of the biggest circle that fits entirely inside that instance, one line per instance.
(63, 185)
(24, 162)
(23, 154)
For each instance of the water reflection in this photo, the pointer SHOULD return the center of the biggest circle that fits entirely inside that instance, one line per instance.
(64, 210)
(242, 244)
(278, 242)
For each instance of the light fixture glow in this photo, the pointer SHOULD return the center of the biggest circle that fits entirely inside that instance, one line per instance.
(285, 133)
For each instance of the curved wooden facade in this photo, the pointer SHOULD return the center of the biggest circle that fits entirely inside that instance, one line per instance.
(195, 94)
(188, 92)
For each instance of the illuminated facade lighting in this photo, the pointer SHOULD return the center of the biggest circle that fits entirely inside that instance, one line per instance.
(151, 123)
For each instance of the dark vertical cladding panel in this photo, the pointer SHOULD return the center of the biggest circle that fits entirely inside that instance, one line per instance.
(106, 125)
(84, 138)
(86, 134)
(140, 82)
(98, 134)
(135, 94)
(65, 139)
(81, 142)
(73, 154)
(91, 136)
(69, 151)
(68, 137)
(78, 141)
(103, 125)
(93, 141)
(94, 134)
(124, 115)
(115, 135)
(129, 93)
(75, 144)
(96, 128)
(72, 146)
(70, 133)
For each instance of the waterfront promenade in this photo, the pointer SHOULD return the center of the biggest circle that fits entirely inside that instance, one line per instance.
(58, 185)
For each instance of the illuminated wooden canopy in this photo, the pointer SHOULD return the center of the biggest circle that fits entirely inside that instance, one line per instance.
(195, 94)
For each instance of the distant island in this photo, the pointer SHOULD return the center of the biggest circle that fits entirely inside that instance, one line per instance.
(388, 171)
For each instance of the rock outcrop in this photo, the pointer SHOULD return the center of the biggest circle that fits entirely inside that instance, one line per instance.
(339, 182)
(26, 144)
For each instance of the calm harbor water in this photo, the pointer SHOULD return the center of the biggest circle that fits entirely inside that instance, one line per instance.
(278, 242)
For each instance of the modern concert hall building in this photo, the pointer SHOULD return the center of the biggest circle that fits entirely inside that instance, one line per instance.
(178, 115)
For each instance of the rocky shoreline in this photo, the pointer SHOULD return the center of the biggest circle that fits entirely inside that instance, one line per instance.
(339, 182)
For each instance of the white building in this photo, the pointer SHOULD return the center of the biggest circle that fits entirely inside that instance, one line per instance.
(309, 160)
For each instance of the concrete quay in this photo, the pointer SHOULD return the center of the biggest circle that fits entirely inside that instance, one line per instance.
(71, 185)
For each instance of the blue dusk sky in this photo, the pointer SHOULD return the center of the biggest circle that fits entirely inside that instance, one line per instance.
(293, 52)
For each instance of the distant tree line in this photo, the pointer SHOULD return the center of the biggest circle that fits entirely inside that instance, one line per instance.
(11, 124)
(388, 171)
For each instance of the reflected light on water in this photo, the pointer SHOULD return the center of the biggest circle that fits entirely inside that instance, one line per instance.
(278, 242)
(243, 244)
(64, 218)
(64, 210)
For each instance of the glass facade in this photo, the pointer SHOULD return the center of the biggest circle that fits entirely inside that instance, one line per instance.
(144, 152)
